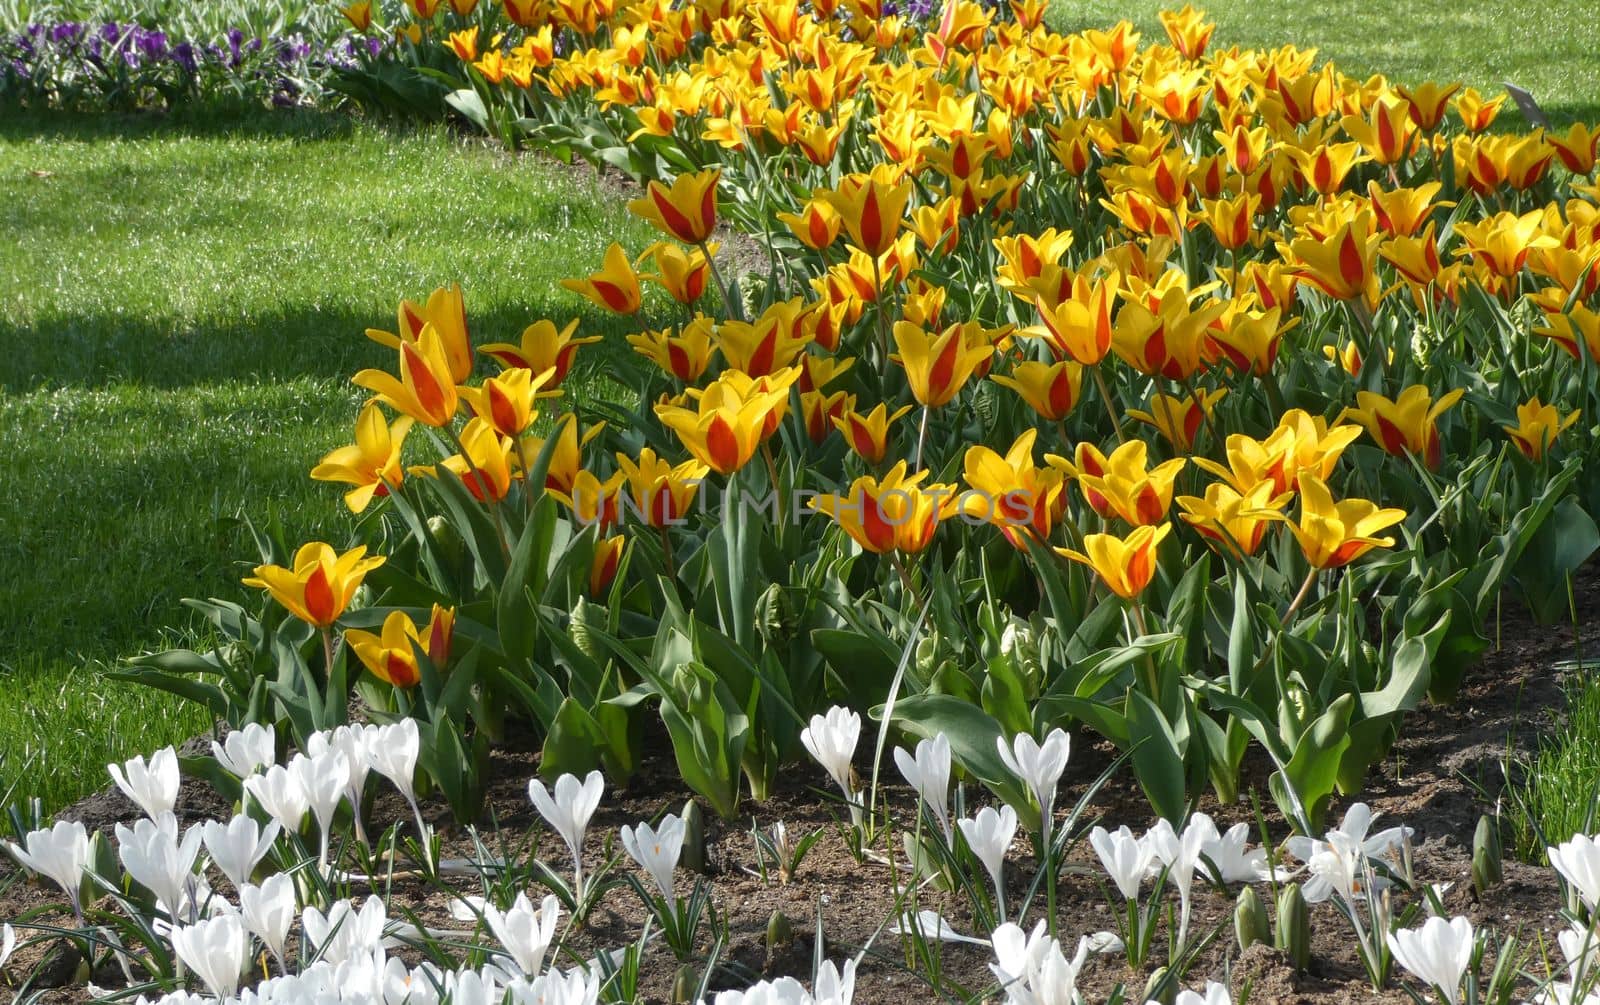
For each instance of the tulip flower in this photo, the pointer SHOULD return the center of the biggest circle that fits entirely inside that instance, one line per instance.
(216, 949)
(820, 410)
(359, 15)
(1051, 389)
(238, 846)
(268, 912)
(1537, 427)
(1011, 492)
(1136, 494)
(1231, 220)
(465, 44)
(1407, 423)
(425, 389)
(1387, 135)
(156, 859)
(683, 275)
(60, 854)
(817, 225)
(603, 566)
(989, 834)
(1334, 534)
(894, 513)
(569, 812)
(151, 785)
(1232, 523)
(1567, 330)
(656, 849)
(1578, 148)
(614, 288)
(524, 933)
(1439, 953)
(1427, 103)
(831, 741)
(541, 348)
(1477, 114)
(1125, 858)
(1039, 767)
(1178, 419)
(1342, 264)
(1027, 256)
(938, 366)
(684, 355)
(928, 772)
(1188, 29)
(391, 656)
(725, 429)
(1169, 340)
(372, 463)
(661, 493)
(1126, 565)
(446, 313)
(509, 402)
(872, 207)
(484, 467)
(1578, 862)
(868, 435)
(767, 345)
(320, 584)
(685, 211)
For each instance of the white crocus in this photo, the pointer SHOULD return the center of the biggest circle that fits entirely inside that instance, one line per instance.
(1354, 830)
(238, 846)
(281, 794)
(1040, 767)
(404, 986)
(525, 933)
(1337, 866)
(1234, 861)
(931, 925)
(61, 854)
(783, 991)
(1438, 953)
(152, 784)
(323, 778)
(1581, 947)
(1181, 854)
(469, 987)
(834, 985)
(158, 860)
(928, 771)
(245, 751)
(1578, 862)
(575, 987)
(1214, 994)
(831, 739)
(268, 911)
(569, 813)
(343, 933)
(989, 834)
(392, 751)
(216, 949)
(1125, 858)
(656, 849)
(1031, 967)
(8, 943)
(351, 741)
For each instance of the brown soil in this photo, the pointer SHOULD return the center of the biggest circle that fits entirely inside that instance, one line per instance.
(1439, 779)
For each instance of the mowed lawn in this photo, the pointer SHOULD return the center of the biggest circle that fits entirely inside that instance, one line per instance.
(181, 308)
(1549, 47)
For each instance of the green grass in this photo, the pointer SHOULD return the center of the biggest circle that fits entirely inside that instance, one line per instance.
(181, 309)
(1549, 47)
(1552, 796)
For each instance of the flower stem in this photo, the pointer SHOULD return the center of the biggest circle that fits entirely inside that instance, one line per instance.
(1105, 396)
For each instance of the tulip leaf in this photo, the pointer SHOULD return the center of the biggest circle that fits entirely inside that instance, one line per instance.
(1157, 759)
(1313, 772)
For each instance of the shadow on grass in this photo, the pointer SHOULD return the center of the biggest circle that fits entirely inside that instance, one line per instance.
(19, 125)
(100, 350)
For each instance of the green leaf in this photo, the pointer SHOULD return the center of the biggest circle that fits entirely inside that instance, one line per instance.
(1157, 758)
(1313, 771)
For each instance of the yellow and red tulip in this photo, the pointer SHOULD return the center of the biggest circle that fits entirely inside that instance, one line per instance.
(320, 584)
(894, 513)
(1125, 565)
(542, 348)
(372, 463)
(1334, 534)
(614, 288)
(686, 210)
(425, 389)
(1537, 427)
(1407, 423)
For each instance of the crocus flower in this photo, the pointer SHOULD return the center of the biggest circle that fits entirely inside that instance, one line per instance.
(1125, 858)
(60, 853)
(393, 750)
(245, 751)
(569, 812)
(1040, 767)
(989, 834)
(834, 985)
(343, 933)
(280, 793)
(157, 860)
(1032, 968)
(8, 943)
(928, 771)
(216, 949)
(1438, 953)
(656, 849)
(1181, 854)
(268, 912)
(1578, 862)
(1214, 994)
(524, 932)
(831, 739)
(320, 584)
(930, 925)
(1232, 858)
(324, 779)
(238, 846)
(152, 785)
(783, 991)
(352, 742)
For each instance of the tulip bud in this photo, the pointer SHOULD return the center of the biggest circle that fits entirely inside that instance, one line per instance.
(779, 931)
(693, 856)
(1250, 919)
(685, 985)
(1160, 988)
(1294, 926)
(1486, 854)
(584, 615)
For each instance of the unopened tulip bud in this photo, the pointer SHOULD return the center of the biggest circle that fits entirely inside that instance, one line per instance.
(1250, 919)
(1294, 926)
(1486, 854)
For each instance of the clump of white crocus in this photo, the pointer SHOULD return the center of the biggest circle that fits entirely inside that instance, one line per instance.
(1040, 767)
(351, 741)
(1438, 954)
(1125, 858)
(1578, 862)
(245, 751)
(989, 834)
(268, 912)
(238, 846)
(152, 785)
(928, 771)
(1181, 854)
(1234, 861)
(61, 854)
(343, 933)
(1031, 967)
(216, 949)
(783, 991)
(569, 813)
(158, 860)
(657, 849)
(831, 739)
(525, 933)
